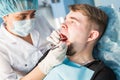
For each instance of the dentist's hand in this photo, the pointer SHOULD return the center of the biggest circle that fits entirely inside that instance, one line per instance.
(55, 56)
(56, 37)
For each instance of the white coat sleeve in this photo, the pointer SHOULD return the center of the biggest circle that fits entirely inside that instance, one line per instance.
(6, 71)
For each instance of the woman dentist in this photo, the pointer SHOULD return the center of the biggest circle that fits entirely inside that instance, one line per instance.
(23, 42)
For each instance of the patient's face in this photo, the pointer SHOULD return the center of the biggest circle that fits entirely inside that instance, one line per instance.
(76, 28)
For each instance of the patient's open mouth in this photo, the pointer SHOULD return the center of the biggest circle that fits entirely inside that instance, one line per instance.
(63, 37)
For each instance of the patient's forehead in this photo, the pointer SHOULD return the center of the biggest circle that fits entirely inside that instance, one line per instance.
(76, 14)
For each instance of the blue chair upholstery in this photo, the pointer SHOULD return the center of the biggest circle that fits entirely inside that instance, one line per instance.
(1, 20)
(108, 47)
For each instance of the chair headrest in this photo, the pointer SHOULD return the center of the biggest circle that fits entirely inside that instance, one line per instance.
(108, 47)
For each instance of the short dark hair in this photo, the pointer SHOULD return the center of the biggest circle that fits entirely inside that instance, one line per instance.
(96, 16)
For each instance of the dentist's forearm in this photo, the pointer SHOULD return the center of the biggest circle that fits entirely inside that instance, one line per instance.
(35, 74)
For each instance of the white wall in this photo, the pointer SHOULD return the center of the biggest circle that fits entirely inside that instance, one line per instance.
(46, 12)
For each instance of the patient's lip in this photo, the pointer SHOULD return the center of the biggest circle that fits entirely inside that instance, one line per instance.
(63, 37)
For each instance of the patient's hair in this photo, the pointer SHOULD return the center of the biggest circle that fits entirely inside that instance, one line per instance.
(97, 17)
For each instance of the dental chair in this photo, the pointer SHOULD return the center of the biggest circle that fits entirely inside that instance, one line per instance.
(1, 20)
(108, 47)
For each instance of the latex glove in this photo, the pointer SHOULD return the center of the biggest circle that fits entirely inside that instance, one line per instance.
(54, 38)
(54, 57)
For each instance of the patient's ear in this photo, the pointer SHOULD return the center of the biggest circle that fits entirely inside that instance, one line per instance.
(94, 34)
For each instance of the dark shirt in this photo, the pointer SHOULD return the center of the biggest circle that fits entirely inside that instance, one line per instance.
(102, 72)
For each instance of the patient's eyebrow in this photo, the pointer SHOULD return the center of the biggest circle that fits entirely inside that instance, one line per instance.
(75, 19)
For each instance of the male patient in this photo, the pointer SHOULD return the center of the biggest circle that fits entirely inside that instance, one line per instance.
(83, 27)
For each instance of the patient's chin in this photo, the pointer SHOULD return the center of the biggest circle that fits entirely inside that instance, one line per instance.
(70, 50)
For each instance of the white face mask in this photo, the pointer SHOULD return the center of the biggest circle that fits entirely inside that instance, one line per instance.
(23, 28)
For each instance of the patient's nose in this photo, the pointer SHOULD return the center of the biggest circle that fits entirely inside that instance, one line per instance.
(64, 26)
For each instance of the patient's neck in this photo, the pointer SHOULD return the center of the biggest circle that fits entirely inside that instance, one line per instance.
(82, 59)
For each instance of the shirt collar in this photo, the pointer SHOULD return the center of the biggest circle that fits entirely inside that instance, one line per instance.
(71, 63)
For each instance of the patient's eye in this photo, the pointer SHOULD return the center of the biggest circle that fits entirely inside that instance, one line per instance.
(72, 21)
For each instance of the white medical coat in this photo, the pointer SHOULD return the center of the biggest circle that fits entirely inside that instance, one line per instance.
(18, 57)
